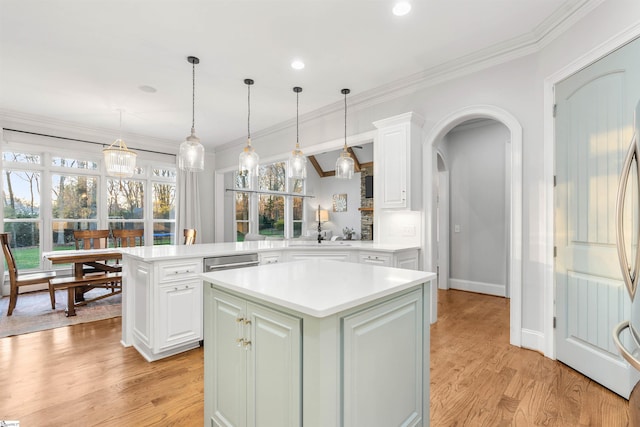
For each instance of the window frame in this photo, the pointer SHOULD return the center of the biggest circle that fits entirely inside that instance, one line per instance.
(46, 168)
(254, 197)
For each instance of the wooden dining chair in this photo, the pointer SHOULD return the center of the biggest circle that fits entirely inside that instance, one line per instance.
(91, 239)
(128, 238)
(189, 236)
(18, 280)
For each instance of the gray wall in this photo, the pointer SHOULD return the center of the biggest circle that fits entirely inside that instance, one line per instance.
(478, 246)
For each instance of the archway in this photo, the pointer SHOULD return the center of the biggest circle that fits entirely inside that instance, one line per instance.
(514, 164)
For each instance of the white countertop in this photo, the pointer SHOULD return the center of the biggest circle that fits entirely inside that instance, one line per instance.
(164, 252)
(318, 288)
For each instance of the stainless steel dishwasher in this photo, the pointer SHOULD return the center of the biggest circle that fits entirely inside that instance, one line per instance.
(227, 262)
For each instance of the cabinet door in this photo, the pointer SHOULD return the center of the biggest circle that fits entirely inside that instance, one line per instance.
(393, 147)
(179, 317)
(227, 367)
(383, 364)
(274, 369)
(408, 260)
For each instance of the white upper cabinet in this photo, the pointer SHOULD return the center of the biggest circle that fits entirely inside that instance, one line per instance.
(397, 159)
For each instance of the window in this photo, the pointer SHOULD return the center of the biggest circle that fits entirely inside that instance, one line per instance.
(164, 206)
(125, 201)
(78, 196)
(22, 207)
(74, 206)
(272, 210)
(298, 208)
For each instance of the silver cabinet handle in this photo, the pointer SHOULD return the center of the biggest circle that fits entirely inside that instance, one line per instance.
(623, 350)
(630, 278)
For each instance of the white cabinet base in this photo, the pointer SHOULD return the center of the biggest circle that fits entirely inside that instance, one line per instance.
(152, 356)
(375, 356)
(162, 306)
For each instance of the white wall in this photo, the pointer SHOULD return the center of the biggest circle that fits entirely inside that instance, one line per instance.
(516, 86)
(323, 189)
(478, 222)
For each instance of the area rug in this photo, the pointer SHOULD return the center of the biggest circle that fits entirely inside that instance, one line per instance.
(33, 312)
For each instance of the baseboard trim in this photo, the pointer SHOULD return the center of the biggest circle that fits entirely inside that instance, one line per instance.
(480, 287)
(533, 340)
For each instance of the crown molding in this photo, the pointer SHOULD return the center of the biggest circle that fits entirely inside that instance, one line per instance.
(52, 127)
(556, 24)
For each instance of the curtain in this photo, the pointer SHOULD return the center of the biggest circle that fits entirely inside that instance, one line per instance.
(188, 209)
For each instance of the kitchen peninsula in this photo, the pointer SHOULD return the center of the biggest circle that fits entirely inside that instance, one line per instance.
(162, 297)
(317, 343)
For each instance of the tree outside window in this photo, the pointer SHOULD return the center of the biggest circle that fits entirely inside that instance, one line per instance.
(164, 207)
(22, 218)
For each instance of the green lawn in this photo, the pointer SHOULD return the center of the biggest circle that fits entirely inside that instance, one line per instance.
(29, 257)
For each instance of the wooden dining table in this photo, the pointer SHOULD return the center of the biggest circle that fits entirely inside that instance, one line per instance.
(96, 258)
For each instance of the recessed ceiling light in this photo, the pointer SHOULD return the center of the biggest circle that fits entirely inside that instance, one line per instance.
(148, 89)
(297, 64)
(401, 8)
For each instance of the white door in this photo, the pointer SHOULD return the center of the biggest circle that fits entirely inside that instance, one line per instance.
(594, 124)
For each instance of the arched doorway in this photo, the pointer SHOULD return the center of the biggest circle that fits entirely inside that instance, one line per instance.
(514, 187)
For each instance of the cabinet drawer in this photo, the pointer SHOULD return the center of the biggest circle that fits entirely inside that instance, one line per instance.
(270, 257)
(179, 270)
(330, 255)
(375, 258)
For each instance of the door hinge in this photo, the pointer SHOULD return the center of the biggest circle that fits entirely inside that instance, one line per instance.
(554, 322)
(555, 251)
(555, 109)
(555, 180)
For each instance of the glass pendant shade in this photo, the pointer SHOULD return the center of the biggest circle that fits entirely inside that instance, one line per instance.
(119, 160)
(248, 161)
(344, 165)
(297, 164)
(191, 155)
(297, 159)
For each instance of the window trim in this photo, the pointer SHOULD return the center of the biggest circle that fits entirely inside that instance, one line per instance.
(47, 170)
(254, 195)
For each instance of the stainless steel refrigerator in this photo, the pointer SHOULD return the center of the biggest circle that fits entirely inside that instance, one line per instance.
(626, 335)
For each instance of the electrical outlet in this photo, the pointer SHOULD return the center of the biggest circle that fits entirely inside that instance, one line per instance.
(409, 230)
(456, 228)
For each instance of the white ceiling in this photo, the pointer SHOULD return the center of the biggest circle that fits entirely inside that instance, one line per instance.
(79, 61)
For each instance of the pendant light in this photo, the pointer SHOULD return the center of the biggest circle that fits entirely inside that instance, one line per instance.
(249, 159)
(345, 164)
(118, 159)
(191, 155)
(297, 160)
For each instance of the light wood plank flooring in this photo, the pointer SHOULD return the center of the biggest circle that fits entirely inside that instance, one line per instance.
(478, 379)
(81, 376)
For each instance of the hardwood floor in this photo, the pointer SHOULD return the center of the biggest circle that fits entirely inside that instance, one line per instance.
(81, 376)
(478, 379)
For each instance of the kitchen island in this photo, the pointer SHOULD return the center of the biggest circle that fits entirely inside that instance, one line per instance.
(162, 308)
(317, 343)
